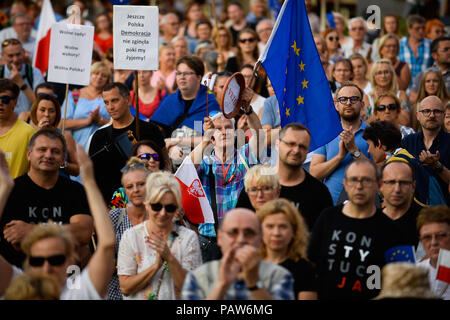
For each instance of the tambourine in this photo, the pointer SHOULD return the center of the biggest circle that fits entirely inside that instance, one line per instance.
(231, 101)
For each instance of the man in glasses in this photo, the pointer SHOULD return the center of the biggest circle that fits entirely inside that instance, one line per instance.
(14, 133)
(22, 30)
(329, 161)
(42, 194)
(433, 225)
(26, 77)
(431, 145)
(50, 247)
(351, 237)
(240, 274)
(384, 140)
(109, 152)
(357, 29)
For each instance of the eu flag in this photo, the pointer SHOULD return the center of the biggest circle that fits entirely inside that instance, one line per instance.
(293, 66)
(400, 254)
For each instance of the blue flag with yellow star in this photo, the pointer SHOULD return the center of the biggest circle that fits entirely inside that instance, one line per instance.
(293, 65)
(400, 254)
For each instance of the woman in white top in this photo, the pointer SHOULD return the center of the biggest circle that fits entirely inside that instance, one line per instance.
(384, 80)
(155, 255)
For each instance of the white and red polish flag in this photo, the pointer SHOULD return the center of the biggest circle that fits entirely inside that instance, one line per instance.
(42, 48)
(195, 203)
(443, 266)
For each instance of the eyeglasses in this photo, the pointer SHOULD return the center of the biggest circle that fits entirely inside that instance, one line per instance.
(247, 40)
(428, 112)
(353, 182)
(293, 144)
(184, 74)
(439, 236)
(265, 190)
(148, 156)
(383, 107)
(12, 41)
(56, 260)
(248, 233)
(401, 183)
(5, 99)
(170, 208)
(138, 165)
(333, 38)
(353, 100)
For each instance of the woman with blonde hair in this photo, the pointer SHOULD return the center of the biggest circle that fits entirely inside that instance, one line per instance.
(432, 84)
(223, 41)
(285, 241)
(389, 47)
(360, 70)
(164, 77)
(154, 256)
(383, 80)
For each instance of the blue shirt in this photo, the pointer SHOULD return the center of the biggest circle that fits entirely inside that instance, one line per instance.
(419, 63)
(270, 112)
(330, 150)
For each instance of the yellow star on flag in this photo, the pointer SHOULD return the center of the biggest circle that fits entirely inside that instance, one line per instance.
(297, 50)
(300, 99)
(287, 112)
(302, 66)
(305, 83)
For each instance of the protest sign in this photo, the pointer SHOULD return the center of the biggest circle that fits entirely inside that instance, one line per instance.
(136, 35)
(71, 54)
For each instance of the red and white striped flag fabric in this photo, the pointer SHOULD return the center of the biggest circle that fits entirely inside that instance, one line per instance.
(195, 203)
(443, 266)
(42, 48)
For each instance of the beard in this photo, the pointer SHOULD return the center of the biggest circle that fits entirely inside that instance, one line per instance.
(349, 118)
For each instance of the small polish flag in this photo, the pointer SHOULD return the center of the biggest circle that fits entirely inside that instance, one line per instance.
(42, 48)
(443, 266)
(195, 203)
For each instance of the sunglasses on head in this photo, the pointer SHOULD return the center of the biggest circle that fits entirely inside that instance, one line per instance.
(138, 165)
(5, 99)
(7, 42)
(56, 260)
(169, 207)
(390, 107)
(247, 40)
(148, 156)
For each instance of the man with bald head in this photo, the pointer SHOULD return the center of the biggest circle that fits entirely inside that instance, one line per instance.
(432, 144)
(240, 274)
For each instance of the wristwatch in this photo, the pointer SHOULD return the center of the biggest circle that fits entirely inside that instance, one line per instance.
(356, 154)
(24, 87)
(257, 286)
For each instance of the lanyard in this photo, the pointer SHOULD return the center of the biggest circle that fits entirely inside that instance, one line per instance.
(225, 173)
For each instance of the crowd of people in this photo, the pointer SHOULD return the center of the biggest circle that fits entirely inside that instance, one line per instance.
(87, 183)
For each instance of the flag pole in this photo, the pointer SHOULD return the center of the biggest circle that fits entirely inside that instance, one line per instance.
(136, 99)
(65, 108)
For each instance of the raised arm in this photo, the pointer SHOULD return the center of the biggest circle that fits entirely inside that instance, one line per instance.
(197, 154)
(257, 141)
(6, 186)
(101, 264)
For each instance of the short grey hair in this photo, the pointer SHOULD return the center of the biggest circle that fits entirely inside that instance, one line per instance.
(167, 15)
(357, 19)
(261, 22)
(19, 15)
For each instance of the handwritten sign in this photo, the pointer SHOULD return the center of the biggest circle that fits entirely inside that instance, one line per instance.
(71, 53)
(231, 99)
(136, 36)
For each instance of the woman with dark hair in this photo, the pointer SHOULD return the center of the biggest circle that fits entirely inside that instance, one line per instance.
(193, 14)
(103, 35)
(154, 158)
(149, 96)
(341, 71)
(248, 52)
(331, 38)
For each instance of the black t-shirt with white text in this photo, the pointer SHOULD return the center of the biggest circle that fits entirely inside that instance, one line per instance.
(32, 204)
(343, 248)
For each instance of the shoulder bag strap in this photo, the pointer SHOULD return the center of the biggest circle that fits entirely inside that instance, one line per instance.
(212, 192)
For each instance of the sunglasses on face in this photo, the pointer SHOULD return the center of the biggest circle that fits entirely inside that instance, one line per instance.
(7, 42)
(247, 40)
(333, 38)
(5, 99)
(170, 208)
(56, 260)
(390, 107)
(148, 156)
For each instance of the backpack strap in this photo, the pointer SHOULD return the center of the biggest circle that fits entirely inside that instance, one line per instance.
(29, 74)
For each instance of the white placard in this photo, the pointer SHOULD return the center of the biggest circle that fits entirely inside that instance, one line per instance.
(231, 96)
(70, 53)
(136, 37)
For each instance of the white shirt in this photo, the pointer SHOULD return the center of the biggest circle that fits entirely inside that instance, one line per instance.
(9, 33)
(437, 286)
